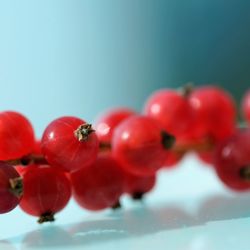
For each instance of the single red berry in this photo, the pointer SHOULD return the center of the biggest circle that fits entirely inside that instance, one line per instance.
(215, 112)
(69, 143)
(46, 192)
(10, 187)
(171, 109)
(137, 185)
(246, 106)
(108, 121)
(100, 185)
(232, 161)
(16, 136)
(139, 145)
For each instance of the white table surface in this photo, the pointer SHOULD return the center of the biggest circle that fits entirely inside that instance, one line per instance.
(188, 210)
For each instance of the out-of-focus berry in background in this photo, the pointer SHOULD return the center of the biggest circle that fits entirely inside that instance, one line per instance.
(79, 57)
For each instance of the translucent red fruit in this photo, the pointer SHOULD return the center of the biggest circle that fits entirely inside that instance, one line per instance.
(46, 191)
(100, 185)
(137, 186)
(232, 161)
(107, 122)
(215, 112)
(246, 106)
(16, 135)
(10, 188)
(138, 145)
(171, 109)
(69, 143)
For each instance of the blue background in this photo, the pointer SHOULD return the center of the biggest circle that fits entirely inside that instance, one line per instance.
(79, 57)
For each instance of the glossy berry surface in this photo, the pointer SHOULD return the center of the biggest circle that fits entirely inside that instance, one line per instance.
(246, 106)
(9, 199)
(215, 112)
(171, 109)
(46, 190)
(63, 149)
(137, 185)
(107, 122)
(16, 135)
(232, 161)
(137, 145)
(100, 185)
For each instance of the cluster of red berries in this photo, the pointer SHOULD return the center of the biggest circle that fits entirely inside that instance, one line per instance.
(122, 152)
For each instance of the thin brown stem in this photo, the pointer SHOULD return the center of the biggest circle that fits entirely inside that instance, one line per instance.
(28, 160)
(203, 146)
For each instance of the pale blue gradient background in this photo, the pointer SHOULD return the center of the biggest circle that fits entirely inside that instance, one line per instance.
(72, 57)
(79, 57)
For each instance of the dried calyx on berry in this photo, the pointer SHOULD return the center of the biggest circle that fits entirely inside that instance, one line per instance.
(83, 131)
(46, 217)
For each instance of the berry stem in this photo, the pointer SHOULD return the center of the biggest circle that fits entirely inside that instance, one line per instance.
(167, 140)
(187, 89)
(27, 160)
(203, 146)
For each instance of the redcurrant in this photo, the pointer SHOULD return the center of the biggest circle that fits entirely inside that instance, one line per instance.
(106, 123)
(232, 161)
(171, 109)
(138, 144)
(46, 192)
(16, 136)
(69, 143)
(10, 188)
(100, 185)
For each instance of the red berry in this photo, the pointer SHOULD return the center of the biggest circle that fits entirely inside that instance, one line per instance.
(16, 136)
(246, 106)
(69, 143)
(215, 112)
(100, 185)
(171, 109)
(106, 123)
(172, 158)
(207, 157)
(46, 191)
(232, 161)
(137, 186)
(10, 188)
(138, 145)
(37, 148)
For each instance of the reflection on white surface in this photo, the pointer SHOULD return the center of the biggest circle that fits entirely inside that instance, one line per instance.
(189, 210)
